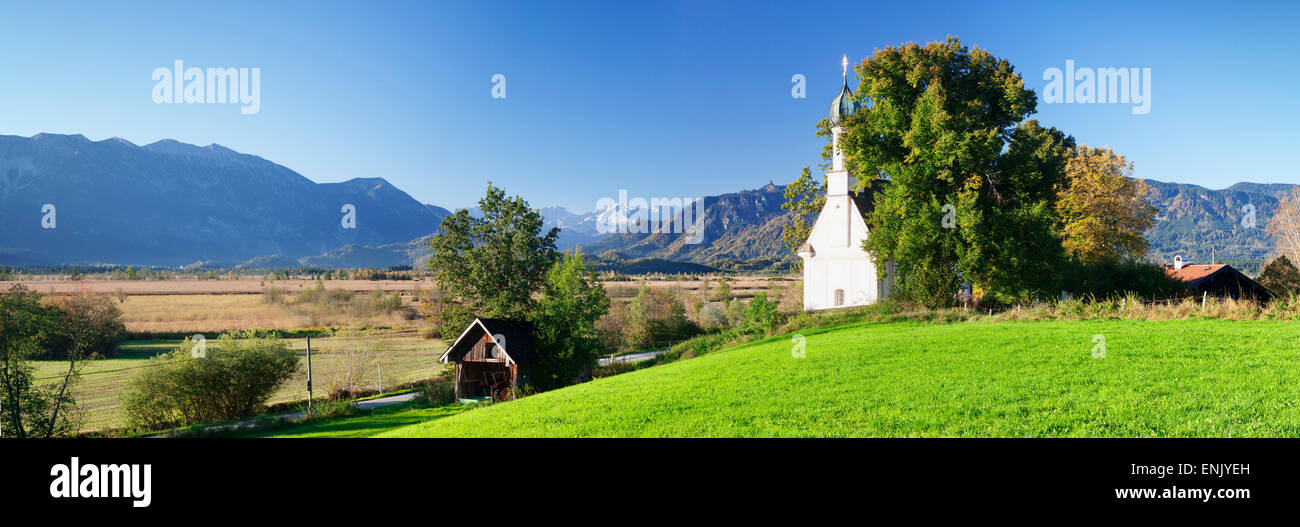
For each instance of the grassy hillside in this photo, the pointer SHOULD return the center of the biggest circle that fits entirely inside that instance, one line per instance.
(1158, 378)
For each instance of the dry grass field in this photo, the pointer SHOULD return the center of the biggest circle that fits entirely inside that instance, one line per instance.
(214, 306)
(216, 313)
(401, 356)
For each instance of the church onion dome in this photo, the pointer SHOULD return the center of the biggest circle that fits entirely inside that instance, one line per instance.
(843, 106)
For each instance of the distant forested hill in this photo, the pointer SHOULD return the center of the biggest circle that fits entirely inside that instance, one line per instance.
(1193, 221)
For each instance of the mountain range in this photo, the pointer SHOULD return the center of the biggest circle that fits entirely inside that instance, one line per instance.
(170, 203)
(174, 204)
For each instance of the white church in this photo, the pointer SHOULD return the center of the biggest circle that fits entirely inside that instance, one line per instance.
(836, 271)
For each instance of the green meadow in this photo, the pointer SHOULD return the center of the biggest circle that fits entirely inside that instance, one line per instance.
(1173, 378)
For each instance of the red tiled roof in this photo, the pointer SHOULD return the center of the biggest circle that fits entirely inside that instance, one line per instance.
(1191, 273)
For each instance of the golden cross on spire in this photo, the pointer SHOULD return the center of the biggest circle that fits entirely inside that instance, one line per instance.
(845, 64)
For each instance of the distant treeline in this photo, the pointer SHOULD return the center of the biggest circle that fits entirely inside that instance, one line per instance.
(612, 265)
(611, 262)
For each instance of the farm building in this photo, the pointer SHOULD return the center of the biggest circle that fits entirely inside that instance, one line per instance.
(1217, 280)
(491, 357)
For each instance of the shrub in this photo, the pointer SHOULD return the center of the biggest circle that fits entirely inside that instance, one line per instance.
(383, 304)
(657, 316)
(613, 368)
(438, 390)
(275, 295)
(711, 316)
(331, 408)
(760, 316)
(232, 380)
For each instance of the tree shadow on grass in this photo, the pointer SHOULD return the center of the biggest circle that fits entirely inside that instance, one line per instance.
(375, 422)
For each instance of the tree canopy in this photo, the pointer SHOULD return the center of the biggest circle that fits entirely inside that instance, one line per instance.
(946, 126)
(490, 265)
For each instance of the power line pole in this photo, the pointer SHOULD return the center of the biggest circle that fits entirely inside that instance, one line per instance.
(309, 397)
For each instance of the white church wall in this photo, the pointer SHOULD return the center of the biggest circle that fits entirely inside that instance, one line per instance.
(839, 263)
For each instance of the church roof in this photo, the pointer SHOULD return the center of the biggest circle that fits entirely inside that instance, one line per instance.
(866, 199)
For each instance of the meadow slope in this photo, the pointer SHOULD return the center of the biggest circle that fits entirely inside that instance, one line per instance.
(1008, 379)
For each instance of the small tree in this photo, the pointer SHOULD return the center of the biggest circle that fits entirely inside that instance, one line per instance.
(1284, 226)
(354, 362)
(26, 330)
(804, 198)
(723, 292)
(1280, 277)
(571, 303)
(91, 325)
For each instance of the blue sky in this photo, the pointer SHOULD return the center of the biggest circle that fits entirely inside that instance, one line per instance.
(662, 99)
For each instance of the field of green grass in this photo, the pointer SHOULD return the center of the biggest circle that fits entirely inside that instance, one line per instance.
(1173, 378)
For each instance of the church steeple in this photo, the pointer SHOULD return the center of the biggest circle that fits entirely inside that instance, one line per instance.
(838, 179)
(843, 106)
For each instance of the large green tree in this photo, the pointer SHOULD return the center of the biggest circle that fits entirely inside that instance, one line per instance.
(971, 184)
(490, 265)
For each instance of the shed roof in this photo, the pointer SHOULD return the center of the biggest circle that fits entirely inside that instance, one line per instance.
(515, 338)
(1219, 279)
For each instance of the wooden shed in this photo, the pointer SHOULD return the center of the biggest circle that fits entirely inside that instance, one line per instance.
(491, 357)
